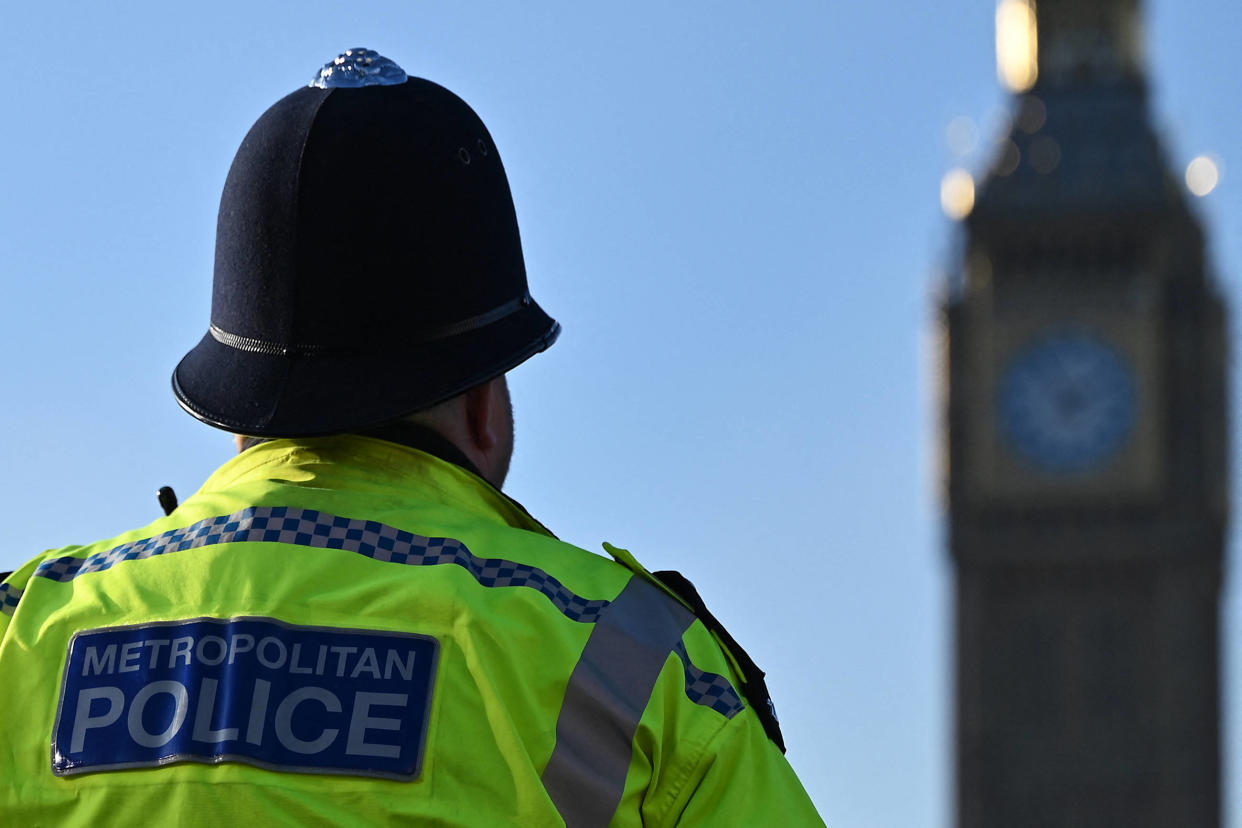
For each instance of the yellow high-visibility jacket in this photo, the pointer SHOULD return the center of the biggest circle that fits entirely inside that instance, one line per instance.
(346, 630)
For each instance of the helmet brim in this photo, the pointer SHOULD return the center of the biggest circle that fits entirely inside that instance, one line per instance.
(271, 395)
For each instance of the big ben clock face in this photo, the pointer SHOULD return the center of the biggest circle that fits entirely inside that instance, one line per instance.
(1067, 403)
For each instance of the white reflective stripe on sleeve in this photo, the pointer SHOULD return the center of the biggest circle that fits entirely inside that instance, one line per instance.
(607, 694)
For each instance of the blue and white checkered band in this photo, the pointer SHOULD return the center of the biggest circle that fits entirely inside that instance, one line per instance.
(308, 527)
(709, 689)
(359, 67)
(9, 597)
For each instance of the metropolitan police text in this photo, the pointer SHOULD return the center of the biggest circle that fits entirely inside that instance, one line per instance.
(100, 706)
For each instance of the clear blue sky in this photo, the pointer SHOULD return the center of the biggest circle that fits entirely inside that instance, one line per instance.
(733, 209)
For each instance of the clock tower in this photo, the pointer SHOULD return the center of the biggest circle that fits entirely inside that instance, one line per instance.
(1087, 456)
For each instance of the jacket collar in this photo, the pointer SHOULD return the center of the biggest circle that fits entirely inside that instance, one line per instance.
(412, 459)
(426, 440)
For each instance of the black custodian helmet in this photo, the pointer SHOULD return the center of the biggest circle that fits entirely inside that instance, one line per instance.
(368, 263)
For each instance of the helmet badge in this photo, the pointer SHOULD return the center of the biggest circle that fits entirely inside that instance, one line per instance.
(358, 67)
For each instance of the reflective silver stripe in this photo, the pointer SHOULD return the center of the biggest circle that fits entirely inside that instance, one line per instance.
(607, 694)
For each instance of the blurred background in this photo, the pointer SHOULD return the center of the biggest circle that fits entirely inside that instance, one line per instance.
(735, 211)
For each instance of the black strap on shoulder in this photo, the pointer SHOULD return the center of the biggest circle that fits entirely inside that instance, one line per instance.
(753, 685)
(5, 575)
(167, 499)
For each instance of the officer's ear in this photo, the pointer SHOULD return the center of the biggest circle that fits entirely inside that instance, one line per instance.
(482, 424)
(489, 426)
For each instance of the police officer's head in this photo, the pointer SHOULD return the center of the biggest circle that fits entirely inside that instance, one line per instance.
(368, 263)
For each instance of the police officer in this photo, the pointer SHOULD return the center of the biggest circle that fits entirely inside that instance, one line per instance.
(349, 622)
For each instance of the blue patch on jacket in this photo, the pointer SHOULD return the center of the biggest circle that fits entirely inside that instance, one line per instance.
(253, 690)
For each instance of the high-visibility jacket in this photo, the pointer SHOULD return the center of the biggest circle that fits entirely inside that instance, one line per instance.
(350, 631)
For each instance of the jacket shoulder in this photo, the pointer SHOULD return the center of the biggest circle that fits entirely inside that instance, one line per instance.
(753, 688)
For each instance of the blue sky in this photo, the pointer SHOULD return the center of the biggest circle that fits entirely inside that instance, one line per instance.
(732, 208)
